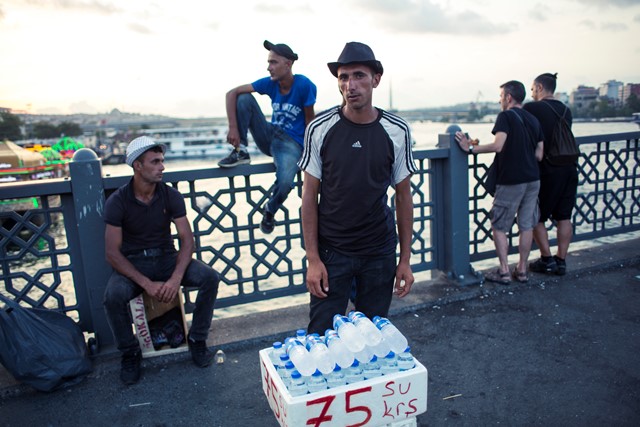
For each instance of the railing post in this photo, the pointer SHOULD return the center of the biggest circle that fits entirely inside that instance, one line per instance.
(454, 235)
(90, 277)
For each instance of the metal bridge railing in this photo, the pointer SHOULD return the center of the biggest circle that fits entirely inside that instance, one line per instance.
(608, 199)
(52, 252)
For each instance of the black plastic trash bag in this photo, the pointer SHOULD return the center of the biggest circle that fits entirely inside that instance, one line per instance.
(42, 348)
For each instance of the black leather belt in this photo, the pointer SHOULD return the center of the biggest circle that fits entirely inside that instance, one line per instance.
(148, 252)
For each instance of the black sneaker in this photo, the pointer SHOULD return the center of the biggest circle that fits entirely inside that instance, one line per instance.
(562, 266)
(544, 265)
(267, 223)
(200, 354)
(130, 367)
(235, 158)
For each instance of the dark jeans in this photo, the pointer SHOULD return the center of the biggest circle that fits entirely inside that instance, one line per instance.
(273, 141)
(120, 290)
(373, 278)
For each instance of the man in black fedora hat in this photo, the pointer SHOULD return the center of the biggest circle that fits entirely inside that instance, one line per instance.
(293, 97)
(352, 154)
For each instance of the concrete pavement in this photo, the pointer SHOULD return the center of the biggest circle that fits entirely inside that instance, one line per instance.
(556, 351)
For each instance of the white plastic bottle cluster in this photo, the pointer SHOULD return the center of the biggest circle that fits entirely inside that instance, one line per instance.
(356, 349)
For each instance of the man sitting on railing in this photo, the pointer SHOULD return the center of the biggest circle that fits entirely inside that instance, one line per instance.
(139, 247)
(292, 99)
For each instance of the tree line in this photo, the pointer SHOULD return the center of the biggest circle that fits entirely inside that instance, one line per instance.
(601, 108)
(11, 128)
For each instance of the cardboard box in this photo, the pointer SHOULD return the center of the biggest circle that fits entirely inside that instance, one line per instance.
(144, 309)
(393, 400)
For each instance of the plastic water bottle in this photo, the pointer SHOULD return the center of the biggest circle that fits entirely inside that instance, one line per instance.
(372, 335)
(371, 369)
(301, 335)
(336, 378)
(320, 353)
(381, 349)
(406, 360)
(317, 382)
(389, 364)
(364, 355)
(353, 374)
(397, 341)
(300, 357)
(281, 369)
(289, 368)
(297, 386)
(340, 352)
(348, 333)
(276, 350)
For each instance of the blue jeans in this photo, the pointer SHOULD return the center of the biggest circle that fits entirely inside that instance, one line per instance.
(373, 278)
(273, 141)
(120, 290)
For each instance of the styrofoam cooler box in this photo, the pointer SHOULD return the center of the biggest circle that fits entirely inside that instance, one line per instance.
(394, 399)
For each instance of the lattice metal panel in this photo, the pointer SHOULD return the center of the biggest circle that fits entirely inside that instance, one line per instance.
(36, 266)
(607, 201)
(609, 189)
(225, 214)
(422, 242)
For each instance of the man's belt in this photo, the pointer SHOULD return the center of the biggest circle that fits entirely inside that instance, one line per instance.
(148, 252)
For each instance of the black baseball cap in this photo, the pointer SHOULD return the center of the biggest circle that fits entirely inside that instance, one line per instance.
(281, 49)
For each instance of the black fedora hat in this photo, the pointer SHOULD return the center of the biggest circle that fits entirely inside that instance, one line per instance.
(356, 53)
(281, 49)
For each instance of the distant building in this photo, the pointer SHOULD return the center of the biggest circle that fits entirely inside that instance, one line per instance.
(611, 91)
(627, 90)
(562, 97)
(583, 97)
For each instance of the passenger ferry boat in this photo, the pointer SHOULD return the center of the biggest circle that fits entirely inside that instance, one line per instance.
(192, 142)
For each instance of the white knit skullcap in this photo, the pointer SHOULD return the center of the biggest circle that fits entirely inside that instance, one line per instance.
(138, 146)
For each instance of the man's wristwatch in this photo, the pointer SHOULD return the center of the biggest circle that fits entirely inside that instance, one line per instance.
(470, 148)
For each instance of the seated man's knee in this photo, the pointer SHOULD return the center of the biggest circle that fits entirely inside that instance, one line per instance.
(244, 100)
(117, 292)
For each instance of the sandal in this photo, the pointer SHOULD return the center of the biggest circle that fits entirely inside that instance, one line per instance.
(520, 276)
(498, 277)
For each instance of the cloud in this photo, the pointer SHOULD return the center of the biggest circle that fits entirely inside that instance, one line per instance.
(615, 3)
(96, 6)
(423, 16)
(540, 12)
(614, 27)
(636, 18)
(588, 23)
(280, 9)
(139, 28)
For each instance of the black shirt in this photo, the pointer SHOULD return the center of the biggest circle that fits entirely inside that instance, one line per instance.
(517, 163)
(144, 226)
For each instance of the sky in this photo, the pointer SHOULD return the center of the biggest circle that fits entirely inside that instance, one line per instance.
(179, 58)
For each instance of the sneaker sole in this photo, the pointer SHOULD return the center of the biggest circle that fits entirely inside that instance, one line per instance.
(241, 162)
